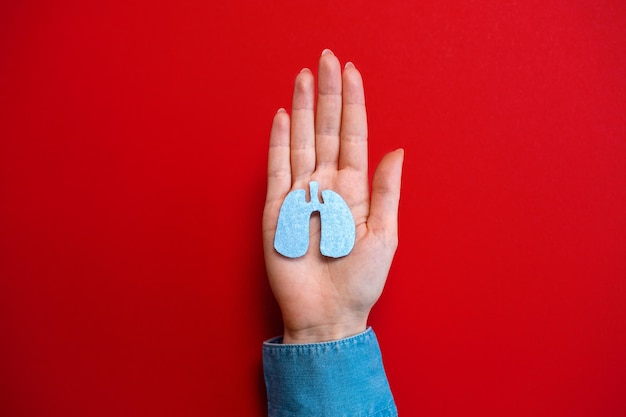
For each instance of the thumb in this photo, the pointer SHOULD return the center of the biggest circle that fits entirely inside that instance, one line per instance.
(383, 216)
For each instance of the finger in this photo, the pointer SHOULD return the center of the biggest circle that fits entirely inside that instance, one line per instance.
(383, 217)
(278, 164)
(328, 116)
(302, 126)
(353, 145)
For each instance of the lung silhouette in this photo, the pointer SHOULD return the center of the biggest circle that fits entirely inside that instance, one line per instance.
(292, 233)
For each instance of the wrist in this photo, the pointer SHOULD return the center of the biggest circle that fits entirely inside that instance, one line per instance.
(324, 332)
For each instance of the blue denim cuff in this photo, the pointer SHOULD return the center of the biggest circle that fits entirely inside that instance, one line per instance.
(340, 378)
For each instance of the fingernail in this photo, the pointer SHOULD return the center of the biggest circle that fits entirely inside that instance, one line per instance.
(281, 110)
(349, 65)
(327, 51)
(304, 70)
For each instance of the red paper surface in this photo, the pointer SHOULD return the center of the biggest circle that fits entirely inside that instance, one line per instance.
(133, 141)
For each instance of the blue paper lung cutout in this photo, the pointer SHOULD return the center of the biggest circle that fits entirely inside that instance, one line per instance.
(338, 228)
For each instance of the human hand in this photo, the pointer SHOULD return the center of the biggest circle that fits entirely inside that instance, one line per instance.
(325, 298)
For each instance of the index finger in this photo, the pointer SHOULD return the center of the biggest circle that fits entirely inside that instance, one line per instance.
(353, 136)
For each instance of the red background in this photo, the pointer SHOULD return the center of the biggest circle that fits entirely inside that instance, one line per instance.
(132, 179)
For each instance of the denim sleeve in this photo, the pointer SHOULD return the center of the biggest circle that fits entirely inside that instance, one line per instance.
(340, 378)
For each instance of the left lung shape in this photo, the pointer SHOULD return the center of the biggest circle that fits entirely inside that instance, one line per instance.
(292, 233)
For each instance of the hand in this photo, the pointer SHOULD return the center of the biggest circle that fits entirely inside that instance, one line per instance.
(324, 298)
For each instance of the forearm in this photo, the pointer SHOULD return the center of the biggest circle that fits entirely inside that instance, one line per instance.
(344, 377)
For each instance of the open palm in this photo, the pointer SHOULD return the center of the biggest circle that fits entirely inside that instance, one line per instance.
(325, 298)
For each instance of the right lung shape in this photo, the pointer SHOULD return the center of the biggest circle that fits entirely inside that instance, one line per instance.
(292, 233)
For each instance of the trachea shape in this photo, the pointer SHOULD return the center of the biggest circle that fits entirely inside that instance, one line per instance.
(292, 232)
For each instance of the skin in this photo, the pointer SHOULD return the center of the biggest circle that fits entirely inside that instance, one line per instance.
(323, 299)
